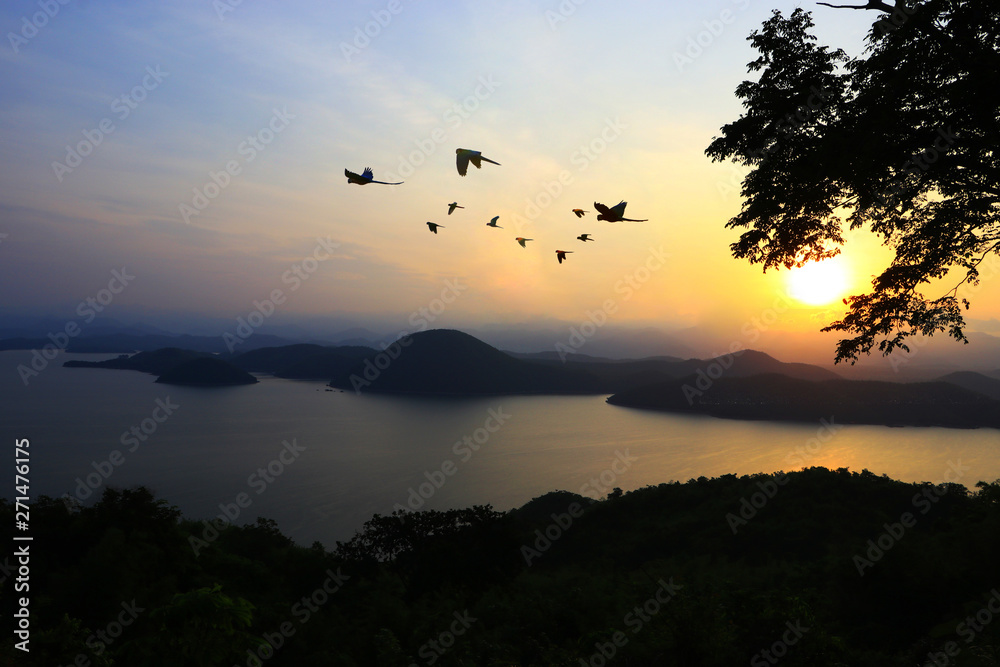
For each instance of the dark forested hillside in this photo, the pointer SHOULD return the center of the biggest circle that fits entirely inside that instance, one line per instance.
(818, 567)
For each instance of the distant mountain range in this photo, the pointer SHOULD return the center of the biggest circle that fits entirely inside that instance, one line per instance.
(781, 398)
(746, 384)
(928, 359)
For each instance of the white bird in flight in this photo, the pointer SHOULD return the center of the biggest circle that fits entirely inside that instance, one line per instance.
(465, 156)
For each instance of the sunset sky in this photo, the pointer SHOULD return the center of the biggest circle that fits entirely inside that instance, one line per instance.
(579, 102)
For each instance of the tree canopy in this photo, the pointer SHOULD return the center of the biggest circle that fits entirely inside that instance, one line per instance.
(903, 140)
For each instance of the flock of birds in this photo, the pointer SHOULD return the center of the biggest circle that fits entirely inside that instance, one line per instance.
(464, 157)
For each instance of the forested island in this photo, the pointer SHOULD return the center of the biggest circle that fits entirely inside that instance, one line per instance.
(744, 384)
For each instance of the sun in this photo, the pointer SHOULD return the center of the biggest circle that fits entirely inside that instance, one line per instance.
(819, 283)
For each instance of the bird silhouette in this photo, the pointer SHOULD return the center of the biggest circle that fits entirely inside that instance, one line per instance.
(615, 213)
(561, 255)
(452, 206)
(522, 241)
(579, 212)
(365, 178)
(493, 222)
(465, 156)
(434, 226)
(584, 237)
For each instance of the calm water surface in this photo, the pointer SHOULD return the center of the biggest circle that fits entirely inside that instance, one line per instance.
(362, 455)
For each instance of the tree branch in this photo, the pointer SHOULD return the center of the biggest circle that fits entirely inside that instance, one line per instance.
(872, 4)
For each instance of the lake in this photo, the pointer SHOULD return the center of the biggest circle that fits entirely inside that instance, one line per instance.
(322, 462)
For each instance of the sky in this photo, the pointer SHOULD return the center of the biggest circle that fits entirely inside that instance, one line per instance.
(199, 148)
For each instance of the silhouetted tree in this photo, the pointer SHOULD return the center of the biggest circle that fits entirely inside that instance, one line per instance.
(903, 140)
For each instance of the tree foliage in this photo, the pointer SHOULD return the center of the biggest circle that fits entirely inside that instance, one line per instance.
(903, 141)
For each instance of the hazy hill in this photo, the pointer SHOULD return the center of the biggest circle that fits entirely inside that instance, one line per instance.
(206, 372)
(780, 398)
(973, 381)
(146, 342)
(156, 362)
(444, 361)
(620, 375)
(274, 359)
(330, 363)
(304, 361)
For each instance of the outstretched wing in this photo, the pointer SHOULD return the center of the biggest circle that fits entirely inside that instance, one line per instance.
(367, 174)
(603, 210)
(619, 209)
(462, 160)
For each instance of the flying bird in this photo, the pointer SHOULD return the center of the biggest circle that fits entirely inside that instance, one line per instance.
(452, 206)
(465, 156)
(434, 226)
(493, 222)
(365, 178)
(584, 237)
(561, 255)
(579, 212)
(522, 241)
(615, 213)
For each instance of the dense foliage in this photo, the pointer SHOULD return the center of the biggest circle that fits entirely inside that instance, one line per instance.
(902, 140)
(816, 567)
